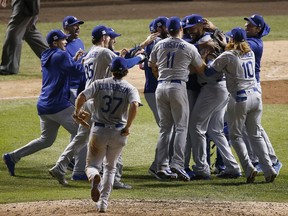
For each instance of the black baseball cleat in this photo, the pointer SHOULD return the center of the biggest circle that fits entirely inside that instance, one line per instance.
(9, 163)
(95, 193)
(167, 174)
(251, 178)
(182, 175)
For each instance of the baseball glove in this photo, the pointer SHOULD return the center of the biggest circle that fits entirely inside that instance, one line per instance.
(82, 118)
(212, 48)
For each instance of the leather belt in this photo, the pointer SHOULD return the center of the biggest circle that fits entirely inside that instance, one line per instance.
(171, 81)
(218, 80)
(98, 124)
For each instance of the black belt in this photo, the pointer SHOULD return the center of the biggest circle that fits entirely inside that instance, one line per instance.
(98, 124)
(218, 80)
(171, 81)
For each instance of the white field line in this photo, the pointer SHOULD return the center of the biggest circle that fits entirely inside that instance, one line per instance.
(17, 98)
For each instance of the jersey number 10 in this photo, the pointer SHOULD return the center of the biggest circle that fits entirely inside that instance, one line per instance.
(248, 69)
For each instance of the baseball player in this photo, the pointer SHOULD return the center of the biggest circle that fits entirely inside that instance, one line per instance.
(256, 28)
(157, 25)
(172, 57)
(193, 89)
(245, 103)
(208, 113)
(119, 165)
(71, 26)
(54, 107)
(112, 120)
(96, 63)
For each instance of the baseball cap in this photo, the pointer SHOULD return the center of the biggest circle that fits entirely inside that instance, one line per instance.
(160, 21)
(193, 20)
(119, 65)
(71, 20)
(55, 35)
(256, 20)
(112, 33)
(183, 22)
(99, 31)
(173, 24)
(238, 34)
(151, 27)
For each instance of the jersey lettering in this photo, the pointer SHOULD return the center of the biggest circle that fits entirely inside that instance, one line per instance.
(89, 70)
(108, 104)
(248, 69)
(170, 59)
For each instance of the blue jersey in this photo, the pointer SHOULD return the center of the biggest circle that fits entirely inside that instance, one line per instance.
(57, 69)
(256, 45)
(151, 82)
(72, 47)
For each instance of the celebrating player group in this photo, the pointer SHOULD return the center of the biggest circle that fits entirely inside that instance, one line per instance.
(201, 84)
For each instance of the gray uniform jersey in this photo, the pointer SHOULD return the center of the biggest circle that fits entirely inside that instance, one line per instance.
(96, 64)
(111, 100)
(173, 56)
(239, 70)
(245, 109)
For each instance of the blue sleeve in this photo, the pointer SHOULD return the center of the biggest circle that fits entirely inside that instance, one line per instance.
(209, 71)
(71, 67)
(131, 62)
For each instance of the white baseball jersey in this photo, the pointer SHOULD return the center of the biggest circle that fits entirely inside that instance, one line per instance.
(239, 70)
(96, 64)
(172, 63)
(111, 100)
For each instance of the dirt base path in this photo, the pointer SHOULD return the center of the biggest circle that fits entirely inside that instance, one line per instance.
(145, 207)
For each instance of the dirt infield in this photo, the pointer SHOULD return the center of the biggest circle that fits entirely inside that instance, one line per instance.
(274, 83)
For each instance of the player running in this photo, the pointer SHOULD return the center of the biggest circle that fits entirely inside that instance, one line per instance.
(112, 120)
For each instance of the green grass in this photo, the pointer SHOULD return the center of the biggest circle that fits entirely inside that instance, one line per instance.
(21, 124)
(30, 64)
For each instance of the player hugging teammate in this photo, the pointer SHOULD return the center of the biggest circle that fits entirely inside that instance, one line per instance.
(208, 103)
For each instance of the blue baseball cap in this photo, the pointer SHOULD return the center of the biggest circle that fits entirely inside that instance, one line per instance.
(71, 20)
(238, 34)
(183, 22)
(55, 35)
(173, 24)
(118, 65)
(112, 33)
(160, 21)
(151, 27)
(193, 20)
(99, 31)
(256, 20)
